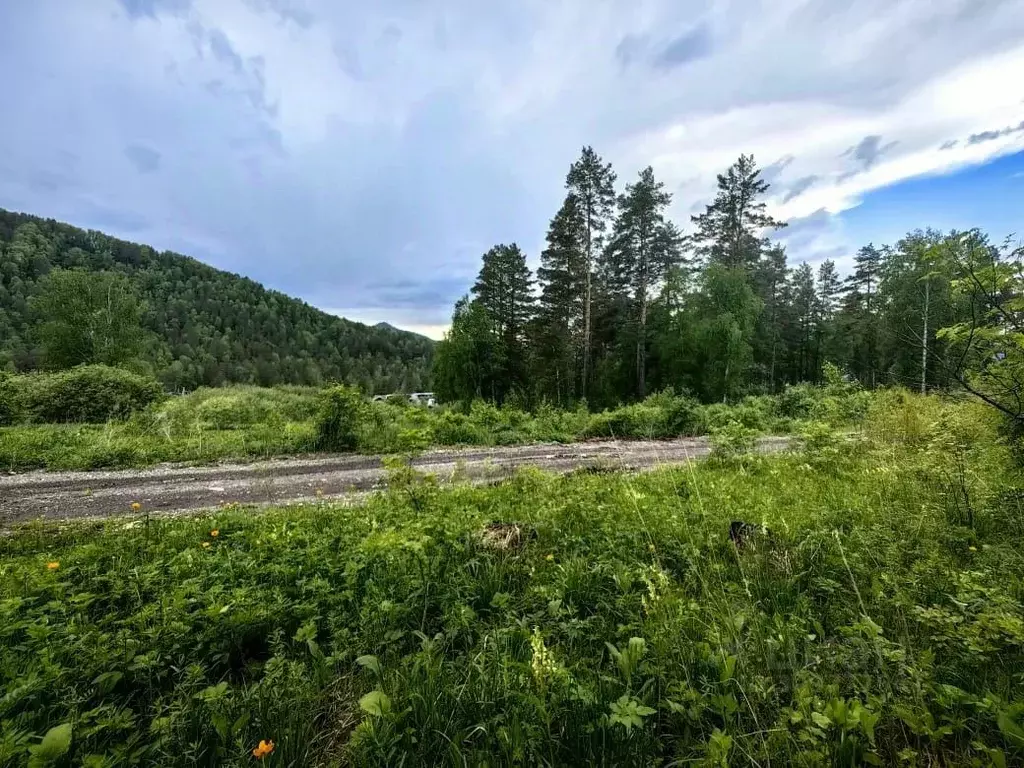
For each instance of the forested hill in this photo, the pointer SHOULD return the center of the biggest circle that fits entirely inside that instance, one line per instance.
(205, 326)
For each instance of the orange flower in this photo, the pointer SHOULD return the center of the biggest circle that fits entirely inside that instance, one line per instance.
(215, 533)
(136, 506)
(264, 749)
(54, 565)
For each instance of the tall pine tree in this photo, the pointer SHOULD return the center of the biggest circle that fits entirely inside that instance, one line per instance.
(859, 317)
(829, 290)
(730, 231)
(643, 247)
(558, 329)
(592, 183)
(503, 289)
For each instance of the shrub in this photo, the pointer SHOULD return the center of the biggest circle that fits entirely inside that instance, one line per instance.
(10, 402)
(87, 394)
(337, 418)
(452, 428)
(732, 440)
(681, 416)
(236, 410)
(797, 401)
(485, 414)
(754, 413)
(898, 416)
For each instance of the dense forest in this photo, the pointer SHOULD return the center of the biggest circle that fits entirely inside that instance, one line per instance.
(625, 303)
(200, 325)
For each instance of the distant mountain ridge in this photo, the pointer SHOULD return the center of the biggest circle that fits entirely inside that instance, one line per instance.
(210, 327)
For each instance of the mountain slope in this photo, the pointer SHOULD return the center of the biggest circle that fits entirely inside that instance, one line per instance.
(209, 326)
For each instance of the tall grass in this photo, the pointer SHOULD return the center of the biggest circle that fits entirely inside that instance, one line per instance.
(875, 623)
(244, 422)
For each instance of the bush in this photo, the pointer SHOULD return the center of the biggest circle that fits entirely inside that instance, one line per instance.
(899, 416)
(236, 411)
(797, 401)
(10, 403)
(87, 394)
(456, 429)
(680, 415)
(337, 418)
(757, 413)
(732, 439)
(237, 407)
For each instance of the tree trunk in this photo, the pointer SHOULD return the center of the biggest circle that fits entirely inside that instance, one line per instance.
(586, 334)
(725, 382)
(924, 339)
(588, 266)
(641, 338)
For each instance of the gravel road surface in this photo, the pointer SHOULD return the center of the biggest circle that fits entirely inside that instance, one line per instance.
(176, 488)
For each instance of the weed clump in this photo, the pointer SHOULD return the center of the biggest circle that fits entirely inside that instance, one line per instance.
(337, 419)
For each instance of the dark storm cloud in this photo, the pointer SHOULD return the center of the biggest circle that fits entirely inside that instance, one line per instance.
(804, 231)
(630, 49)
(137, 9)
(770, 173)
(294, 11)
(690, 46)
(693, 44)
(798, 187)
(980, 138)
(868, 151)
(144, 159)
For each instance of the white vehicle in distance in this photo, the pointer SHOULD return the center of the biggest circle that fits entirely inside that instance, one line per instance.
(423, 398)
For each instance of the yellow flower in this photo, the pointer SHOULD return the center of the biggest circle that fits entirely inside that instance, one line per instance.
(136, 506)
(550, 557)
(973, 549)
(264, 749)
(215, 533)
(206, 545)
(53, 566)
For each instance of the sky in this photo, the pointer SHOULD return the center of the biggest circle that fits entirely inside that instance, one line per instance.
(363, 156)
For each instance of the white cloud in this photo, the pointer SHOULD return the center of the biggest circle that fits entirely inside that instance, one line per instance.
(349, 152)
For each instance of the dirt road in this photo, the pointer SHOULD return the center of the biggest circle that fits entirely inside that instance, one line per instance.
(62, 495)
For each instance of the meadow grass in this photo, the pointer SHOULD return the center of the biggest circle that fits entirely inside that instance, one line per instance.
(878, 622)
(246, 423)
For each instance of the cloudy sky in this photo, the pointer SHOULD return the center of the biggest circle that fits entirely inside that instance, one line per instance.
(363, 155)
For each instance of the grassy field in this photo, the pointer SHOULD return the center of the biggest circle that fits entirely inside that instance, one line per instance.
(878, 622)
(253, 423)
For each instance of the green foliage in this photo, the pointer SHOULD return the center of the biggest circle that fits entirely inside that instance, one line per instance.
(201, 326)
(238, 407)
(337, 418)
(659, 416)
(88, 393)
(245, 422)
(732, 439)
(467, 361)
(871, 628)
(10, 400)
(87, 317)
(988, 339)
(55, 744)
